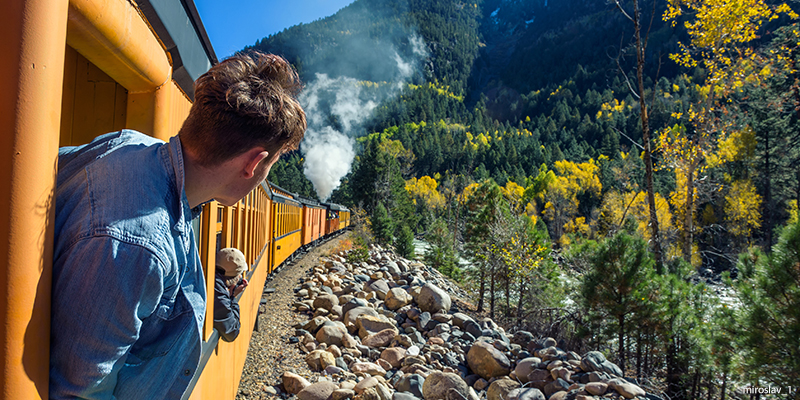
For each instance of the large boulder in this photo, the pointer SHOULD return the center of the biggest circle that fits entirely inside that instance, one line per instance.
(460, 318)
(433, 299)
(326, 301)
(596, 361)
(411, 383)
(525, 367)
(500, 388)
(394, 356)
(596, 388)
(352, 315)
(397, 298)
(318, 360)
(525, 394)
(488, 362)
(317, 391)
(369, 325)
(331, 333)
(294, 383)
(366, 384)
(380, 339)
(629, 390)
(438, 383)
(379, 286)
(367, 368)
(352, 303)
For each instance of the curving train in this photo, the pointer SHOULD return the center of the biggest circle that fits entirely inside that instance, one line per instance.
(270, 225)
(76, 69)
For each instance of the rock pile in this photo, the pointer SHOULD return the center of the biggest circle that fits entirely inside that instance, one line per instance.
(386, 330)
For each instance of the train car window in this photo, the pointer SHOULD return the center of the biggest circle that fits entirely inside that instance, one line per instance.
(198, 234)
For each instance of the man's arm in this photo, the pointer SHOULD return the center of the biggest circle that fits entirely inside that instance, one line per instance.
(102, 290)
(226, 313)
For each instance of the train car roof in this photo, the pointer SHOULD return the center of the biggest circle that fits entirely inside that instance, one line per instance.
(279, 198)
(309, 202)
(335, 207)
(277, 189)
(180, 29)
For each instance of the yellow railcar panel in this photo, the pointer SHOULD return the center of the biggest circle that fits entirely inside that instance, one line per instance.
(92, 104)
(285, 246)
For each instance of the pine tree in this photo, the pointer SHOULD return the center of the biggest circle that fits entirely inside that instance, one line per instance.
(618, 281)
(382, 225)
(769, 318)
(404, 242)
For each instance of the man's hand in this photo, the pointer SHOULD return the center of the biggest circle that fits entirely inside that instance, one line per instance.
(238, 288)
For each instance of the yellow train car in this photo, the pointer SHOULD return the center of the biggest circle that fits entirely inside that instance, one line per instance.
(73, 70)
(313, 221)
(344, 218)
(287, 220)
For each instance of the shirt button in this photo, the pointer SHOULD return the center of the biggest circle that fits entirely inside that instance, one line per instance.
(187, 372)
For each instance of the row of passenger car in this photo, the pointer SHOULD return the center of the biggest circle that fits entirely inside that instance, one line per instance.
(270, 225)
(76, 69)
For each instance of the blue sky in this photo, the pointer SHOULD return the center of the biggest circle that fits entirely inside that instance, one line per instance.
(231, 25)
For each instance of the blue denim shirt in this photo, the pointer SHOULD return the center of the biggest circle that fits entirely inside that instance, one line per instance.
(128, 296)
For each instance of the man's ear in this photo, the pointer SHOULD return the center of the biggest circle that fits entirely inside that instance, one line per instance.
(254, 157)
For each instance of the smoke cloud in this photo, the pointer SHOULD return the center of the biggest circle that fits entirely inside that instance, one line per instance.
(337, 109)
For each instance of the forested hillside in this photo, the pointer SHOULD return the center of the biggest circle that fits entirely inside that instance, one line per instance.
(511, 133)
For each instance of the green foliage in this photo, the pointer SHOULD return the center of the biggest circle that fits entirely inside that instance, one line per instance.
(359, 253)
(404, 242)
(440, 254)
(382, 225)
(618, 284)
(768, 319)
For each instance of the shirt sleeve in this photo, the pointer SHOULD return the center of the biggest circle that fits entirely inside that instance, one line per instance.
(226, 313)
(102, 290)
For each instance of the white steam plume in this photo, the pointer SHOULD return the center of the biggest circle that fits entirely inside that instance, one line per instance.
(336, 110)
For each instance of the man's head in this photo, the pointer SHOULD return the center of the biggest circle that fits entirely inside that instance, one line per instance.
(231, 264)
(244, 102)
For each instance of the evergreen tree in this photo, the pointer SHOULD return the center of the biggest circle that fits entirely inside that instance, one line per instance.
(404, 242)
(382, 225)
(620, 277)
(440, 253)
(768, 319)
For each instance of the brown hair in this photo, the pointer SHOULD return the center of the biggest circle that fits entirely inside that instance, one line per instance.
(245, 101)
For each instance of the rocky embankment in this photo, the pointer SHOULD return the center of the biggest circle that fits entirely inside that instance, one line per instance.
(387, 329)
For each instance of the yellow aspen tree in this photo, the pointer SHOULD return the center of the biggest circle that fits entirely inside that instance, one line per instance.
(561, 195)
(719, 32)
(742, 205)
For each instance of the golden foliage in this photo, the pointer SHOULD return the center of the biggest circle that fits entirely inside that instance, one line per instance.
(618, 206)
(742, 205)
(425, 190)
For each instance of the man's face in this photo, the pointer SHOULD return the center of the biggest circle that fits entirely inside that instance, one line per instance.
(241, 186)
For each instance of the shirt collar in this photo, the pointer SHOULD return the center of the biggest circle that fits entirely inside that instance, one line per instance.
(176, 161)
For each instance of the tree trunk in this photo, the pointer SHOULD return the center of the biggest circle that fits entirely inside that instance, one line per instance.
(724, 385)
(688, 210)
(519, 300)
(621, 319)
(673, 374)
(768, 227)
(710, 382)
(482, 289)
(638, 354)
(695, 380)
(648, 161)
(491, 287)
(507, 280)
